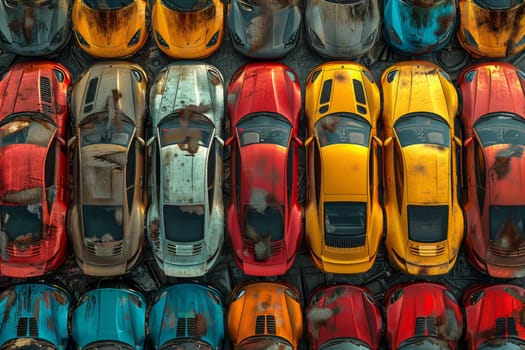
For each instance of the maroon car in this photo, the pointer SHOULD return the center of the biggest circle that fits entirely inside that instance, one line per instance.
(264, 214)
(494, 317)
(422, 315)
(343, 317)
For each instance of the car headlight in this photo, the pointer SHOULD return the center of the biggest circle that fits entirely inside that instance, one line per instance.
(292, 39)
(393, 35)
(213, 40)
(57, 38)
(161, 40)
(370, 39)
(236, 39)
(81, 40)
(135, 38)
(470, 39)
(521, 42)
(316, 41)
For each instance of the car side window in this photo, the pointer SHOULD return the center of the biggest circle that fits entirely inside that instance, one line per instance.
(317, 172)
(481, 170)
(130, 174)
(212, 159)
(399, 174)
(290, 171)
(371, 176)
(237, 174)
(50, 175)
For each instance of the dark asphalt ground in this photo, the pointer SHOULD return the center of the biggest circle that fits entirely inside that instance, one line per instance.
(303, 274)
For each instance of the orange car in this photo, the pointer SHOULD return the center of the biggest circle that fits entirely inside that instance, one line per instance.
(188, 29)
(265, 315)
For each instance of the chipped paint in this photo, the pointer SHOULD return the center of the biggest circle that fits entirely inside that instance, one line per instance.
(501, 166)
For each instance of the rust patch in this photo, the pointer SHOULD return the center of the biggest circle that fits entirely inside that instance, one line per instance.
(50, 324)
(449, 326)
(105, 22)
(423, 3)
(509, 237)
(319, 317)
(27, 196)
(190, 21)
(501, 166)
(340, 76)
(116, 159)
(154, 230)
(201, 325)
(444, 24)
(59, 297)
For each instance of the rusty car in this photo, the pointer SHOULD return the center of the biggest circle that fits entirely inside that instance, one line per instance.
(343, 316)
(494, 316)
(418, 27)
(186, 316)
(110, 28)
(264, 29)
(34, 27)
(110, 314)
(34, 316)
(342, 29)
(491, 28)
(34, 192)
(199, 23)
(265, 315)
(421, 148)
(422, 315)
(106, 216)
(264, 216)
(493, 119)
(185, 219)
(343, 219)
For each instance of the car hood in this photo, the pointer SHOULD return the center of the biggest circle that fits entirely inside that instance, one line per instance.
(427, 174)
(344, 24)
(506, 168)
(263, 172)
(21, 159)
(194, 28)
(183, 175)
(187, 311)
(119, 315)
(35, 311)
(354, 167)
(40, 23)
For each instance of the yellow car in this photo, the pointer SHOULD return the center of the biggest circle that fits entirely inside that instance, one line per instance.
(344, 218)
(109, 28)
(492, 28)
(189, 28)
(423, 217)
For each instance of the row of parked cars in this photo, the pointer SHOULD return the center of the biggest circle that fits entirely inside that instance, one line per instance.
(261, 315)
(393, 161)
(194, 29)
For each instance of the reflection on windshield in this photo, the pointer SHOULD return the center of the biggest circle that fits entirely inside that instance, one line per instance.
(187, 132)
(427, 223)
(503, 344)
(107, 4)
(501, 129)
(264, 129)
(104, 127)
(25, 130)
(187, 345)
(264, 343)
(335, 129)
(187, 5)
(418, 129)
(497, 4)
(506, 224)
(103, 224)
(424, 344)
(108, 345)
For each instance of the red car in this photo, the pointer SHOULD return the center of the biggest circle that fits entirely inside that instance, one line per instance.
(493, 117)
(494, 317)
(264, 215)
(341, 317)
(34, 163)
(422, 315)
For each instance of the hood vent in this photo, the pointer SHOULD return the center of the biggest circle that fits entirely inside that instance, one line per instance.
(45, 89)
(186, 324)
(265, 324)
(25, 325)
(505, 327)
(426, 327)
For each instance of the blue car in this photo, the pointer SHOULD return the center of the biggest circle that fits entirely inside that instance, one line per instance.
(34, 316)
(186, 316)
(110, 317)
(419, 26)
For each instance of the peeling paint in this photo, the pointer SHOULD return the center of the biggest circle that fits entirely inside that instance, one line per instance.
(501, 166)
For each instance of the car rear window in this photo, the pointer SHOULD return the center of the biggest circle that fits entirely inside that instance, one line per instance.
(506, 222)
(187, 5)
(427, 224)
(496, 129)
(264, 128)
(345, 224)
(184, 223)
(497, 4)
(422, 129)
(107, 4)
(103, 223)
(26, 130)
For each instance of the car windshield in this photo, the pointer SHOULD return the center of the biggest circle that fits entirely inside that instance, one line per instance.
(187, 345)
(264, 128)
(26, 130)
(103, 224)
(345, 220)
(497, 4)
(107, 4)
(187, 132)
(503, 344)
(28, 344)
(102, 128)
(501, 128)
(264, 343)
(427, 224)
(342, 128)
(264, 221)
(344, 344)
(422, 129)
(184, 223)
(424, 3)
(22, 223)
(427, 343)
(506, 222)
(187, 5)
(108, 345)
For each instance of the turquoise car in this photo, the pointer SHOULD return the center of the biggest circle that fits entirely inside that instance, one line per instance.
(34, 316)
(110, 317)
(186, 316)
(418, 27)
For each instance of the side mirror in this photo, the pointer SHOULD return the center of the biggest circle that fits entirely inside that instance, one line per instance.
(150, 141)
(387, 141)
(458, 142)
(71, 141)
(228, 141)
(377, 140)
(298, 141)
(308, 141)
(141, 141)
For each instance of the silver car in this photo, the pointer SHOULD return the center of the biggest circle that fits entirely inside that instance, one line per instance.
(342, 29)
(264, 29)
(34, 27)
(185, 220)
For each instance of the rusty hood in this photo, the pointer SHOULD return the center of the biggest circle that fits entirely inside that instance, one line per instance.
(506, 169)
